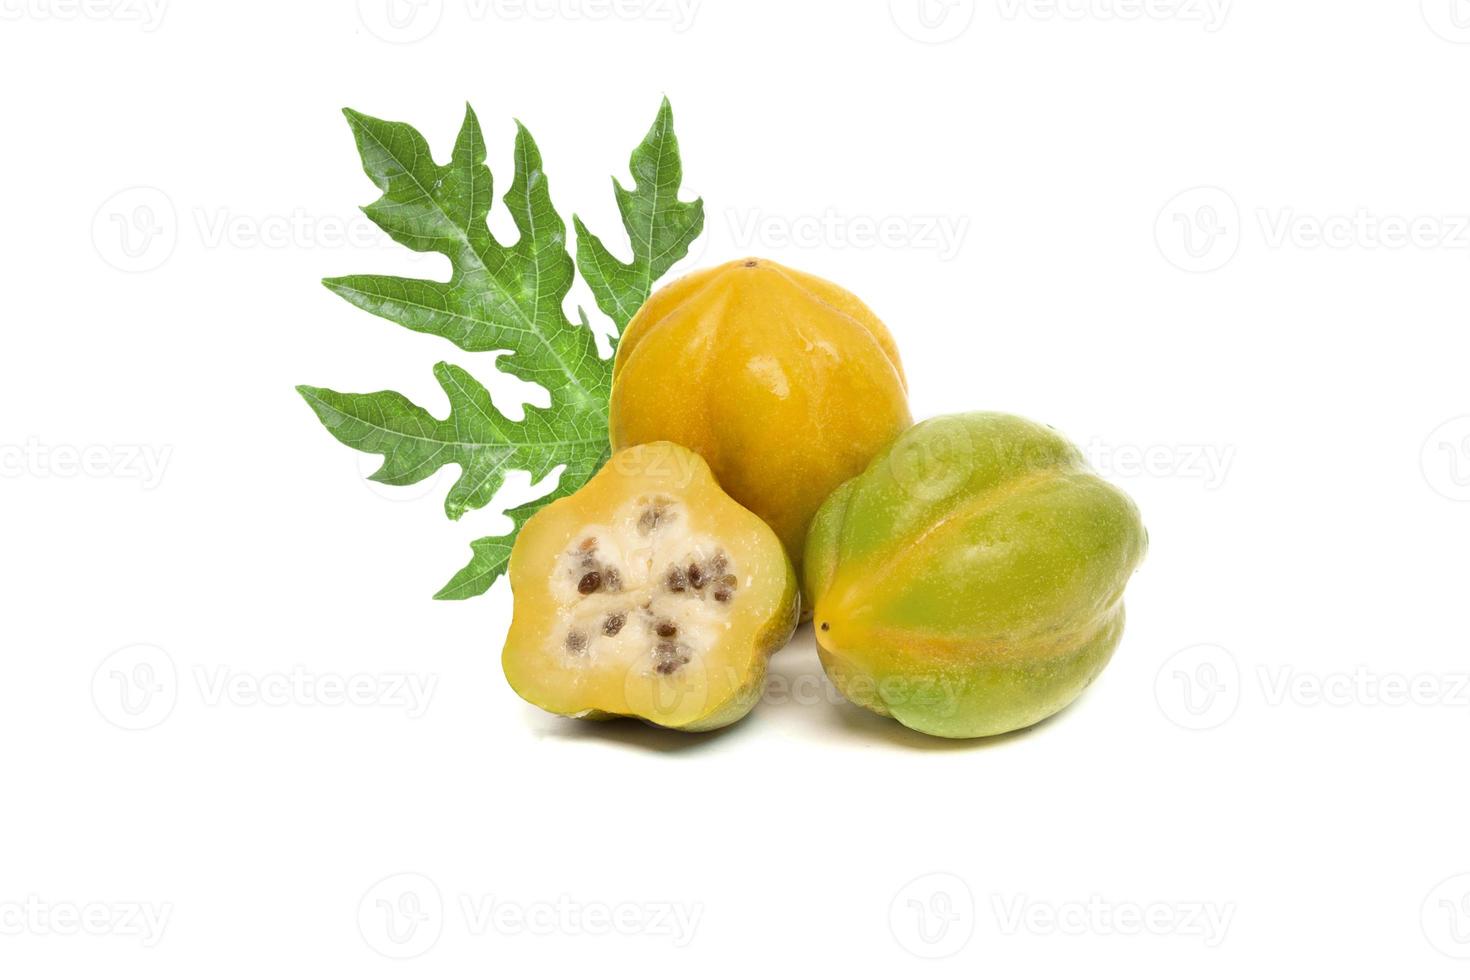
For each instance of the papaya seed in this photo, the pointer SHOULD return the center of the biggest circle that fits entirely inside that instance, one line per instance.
(650, 519)
(669, 657)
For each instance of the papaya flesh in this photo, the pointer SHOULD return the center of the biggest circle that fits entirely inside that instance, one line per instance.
(785, 383)
(970, 581)
(647, 593)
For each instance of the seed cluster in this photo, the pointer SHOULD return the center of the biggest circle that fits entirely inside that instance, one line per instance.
(669, 657)
(696, 575)
(654, 515)
(696, 578)
(595, 576)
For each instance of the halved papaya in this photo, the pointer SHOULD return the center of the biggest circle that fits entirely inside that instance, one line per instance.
(648, 593)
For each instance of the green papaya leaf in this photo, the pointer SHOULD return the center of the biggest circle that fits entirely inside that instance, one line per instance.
(500, 297)
(659, 225)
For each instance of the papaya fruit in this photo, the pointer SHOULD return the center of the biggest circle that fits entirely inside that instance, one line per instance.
(648, 593)
(970, 581)
(785, 383)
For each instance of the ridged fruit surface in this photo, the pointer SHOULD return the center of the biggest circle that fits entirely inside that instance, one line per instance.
(648, 593)
(785, 383)
(970, 581)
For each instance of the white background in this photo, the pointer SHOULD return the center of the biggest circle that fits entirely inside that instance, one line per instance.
(1223, 246)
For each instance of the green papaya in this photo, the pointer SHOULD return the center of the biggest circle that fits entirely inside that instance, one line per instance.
(970, 581)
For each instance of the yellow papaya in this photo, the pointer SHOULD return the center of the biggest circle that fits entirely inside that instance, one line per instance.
(785, 383)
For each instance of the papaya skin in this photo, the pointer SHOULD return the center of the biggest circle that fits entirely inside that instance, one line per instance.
(785, 383)
(970, 581)
(587, 561)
